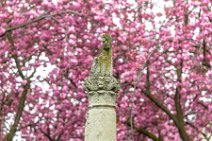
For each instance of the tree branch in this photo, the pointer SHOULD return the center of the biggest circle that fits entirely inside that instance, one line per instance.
(148, 134)
(9, 136)
(37, 19)
(177, 97)
(202, 133)
(177, 100)
(145, 132)
(46, 134)
(14, 56)
(147, 92)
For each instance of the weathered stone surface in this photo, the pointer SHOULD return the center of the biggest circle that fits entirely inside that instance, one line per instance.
(101, 88)
(101, 115)
(95, 83)
(101, 124)
(101, 99)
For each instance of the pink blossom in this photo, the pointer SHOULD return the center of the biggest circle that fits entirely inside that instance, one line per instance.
(24, 82)
(152, 61)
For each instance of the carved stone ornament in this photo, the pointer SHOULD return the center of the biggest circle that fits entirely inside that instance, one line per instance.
(96, 83)
(101, 90)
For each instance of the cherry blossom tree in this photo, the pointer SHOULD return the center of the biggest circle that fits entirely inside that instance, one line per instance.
(161, 53)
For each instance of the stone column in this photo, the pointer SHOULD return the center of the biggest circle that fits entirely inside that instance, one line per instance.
(101, 115)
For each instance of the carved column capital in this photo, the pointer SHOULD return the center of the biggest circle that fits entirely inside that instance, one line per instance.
(101, 90)
(96, 83)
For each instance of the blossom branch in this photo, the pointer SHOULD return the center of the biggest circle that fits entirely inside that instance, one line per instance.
(202, 133)
(37, 19)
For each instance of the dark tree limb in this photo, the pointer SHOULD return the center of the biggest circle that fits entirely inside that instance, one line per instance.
(9, 136)
(145, 132)
(147, 93)
(39, 18)
(161, 106)
(148, 134)
(202, 133)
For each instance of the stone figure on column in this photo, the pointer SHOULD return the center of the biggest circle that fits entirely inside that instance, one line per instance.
(101, 88)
